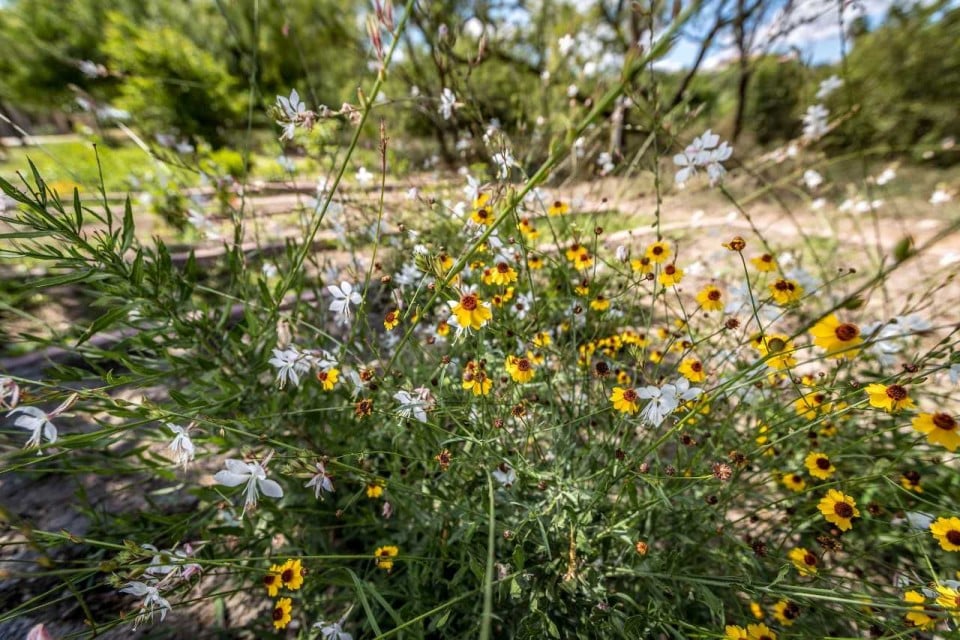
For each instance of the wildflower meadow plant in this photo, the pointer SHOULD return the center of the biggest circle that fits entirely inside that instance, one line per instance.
(515, 409)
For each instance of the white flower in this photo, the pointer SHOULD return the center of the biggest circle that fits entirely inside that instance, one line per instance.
(940, 196)
(343, 297)
(828, 86)
(572, 91)
(703, 152)
(815, 121)
(448, 103)
(505, 475)
(919, 520)
(287, 164)
(812, 179)
(253, 475)
(414, 405)
(664, 400)
(35, 420)
(290, 364)
(292, 107)
(504, 161)
(269, 270)
(9, 389)
(181, 446)
(954, 373)
(622, 254)
(152, 601)
(413, 193)
(364, 177)
(886, 176)
(332, 630)
(565, 44)
(605, 162)
(321, 481)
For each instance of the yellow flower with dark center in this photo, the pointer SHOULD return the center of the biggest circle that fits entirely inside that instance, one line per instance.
(443, 329)
(658, 252)
(281, 613)
(656, 356)
(558, 208)
(375, 489)
(482, 214)
(778, 349)
(710, 298)
(804, 561)
(391, 320)
(501, 299)
(444, 261)
(542, 339)
(385, 555)
(642, 265)
(671, 275)
(734, 632)
(528, 230)
(582, 289)
(941, 428)
(500, 274)
(534, 262)
(692, 370)
(950, 600)
(475, 379)
(625, 400)
(600, 303)
(328, 378)
(840, 339)
(786, 612)
(889, 397)
(812, 404)
(583, 260)
(917, 615)
(573, 251)
(910, 480)
(819, 465)
(794, 482)
(520, 369)
(764, 263)
(272, 580)
(623, 377)
(471, 312)
(786, 292)
(947, 533)
(536, 358)
(839, 509)
(291, 573)
(760, 632)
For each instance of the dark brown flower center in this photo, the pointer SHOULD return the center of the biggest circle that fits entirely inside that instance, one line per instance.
(818, 398)
(287, 575)
(944, 421)
(846, 332)
(766, 258)
(630, 395)
(278, 613)
(696, 367)
(843, 510)
(670, 269)
(953, 537)
(468, 302)
(523, 364)
(791, 611)
(896, 393)
(657, 250)
(783, 285)
(269, 580)
(713, 295)
(810, 560)
(482, 213)
(503, 267)
(558, 204)
(823, 463)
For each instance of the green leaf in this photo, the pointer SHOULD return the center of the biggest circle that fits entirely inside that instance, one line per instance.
(128, 226)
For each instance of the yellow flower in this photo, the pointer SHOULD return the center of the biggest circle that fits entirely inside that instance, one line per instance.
(804, 561)
(502, 298)
(710, 298)
(917, 616)
(600, 303)
(642, 265)
(391, 320)
(838, 338)
(471, 312)
(941, 428)
(839, 509)
(671, 275)
(794, 482)
(583, 260)
(910, 480)
(281, 613)
(812, 404)
(444, 261)
(766, 262)
(786, 292)
(542, 339)
(272, 580)
(375, 489)
(756, 610)
(536, 359)
(656, 356)
(760, 632)
(692, 370)
(475, 379)
(443, 329)
(891, 398)
(819, 465)
(385, 555)
(501, 274)
(534, 262)
(950, 600)
(786, 612)
(623, 377)
(778, 349)
(328, 378)
(625, 400)
(947, 532)
(733, 632)
(528, 230)
(558, 208)
(291, 573)
(658, 252)
(481, 213)
(520, 369)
